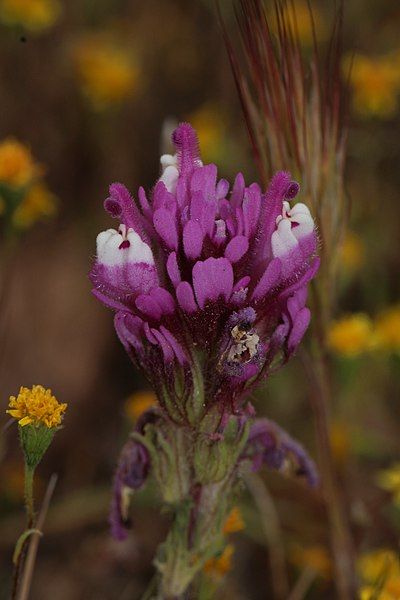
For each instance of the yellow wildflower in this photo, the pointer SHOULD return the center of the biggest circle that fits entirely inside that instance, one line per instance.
(36, 406)
(17, 166)
(380, 572)
(138, 403)
(106, 71)
(219, 566)
(36, 15)
(314, 557)
(352, 252)
(38, 203)
(387, 327)
(234, 521)
(389, 480)
(351, 335)
(376, 84)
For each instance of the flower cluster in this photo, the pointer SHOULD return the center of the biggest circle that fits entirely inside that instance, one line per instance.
(36, 406)
(209, 285)
(24, 197)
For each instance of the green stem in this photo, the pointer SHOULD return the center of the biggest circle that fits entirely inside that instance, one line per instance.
(30, 517)
(29, 502)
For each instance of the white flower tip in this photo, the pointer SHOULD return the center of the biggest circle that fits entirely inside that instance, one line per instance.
(170, 178)
(116, 248)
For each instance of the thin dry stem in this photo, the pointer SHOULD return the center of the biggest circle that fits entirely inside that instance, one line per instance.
(273, 534)
(29, 566)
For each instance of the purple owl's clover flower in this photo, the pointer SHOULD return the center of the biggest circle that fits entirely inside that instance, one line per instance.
(206, 282)
(209, 287)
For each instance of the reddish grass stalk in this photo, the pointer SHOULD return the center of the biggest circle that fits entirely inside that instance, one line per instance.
(295, 111)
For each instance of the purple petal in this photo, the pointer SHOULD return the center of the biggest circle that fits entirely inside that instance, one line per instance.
(192, 240)
(173, 269)
(165, 225)
(164, 345)
(131, 474)
(164, 299)
(222, 189)
(185, 296)
(148, 306)
(238, 190)
(251, 209)
(129, 328)
(204, 180)
(299, 328)
(270, 444)
(150, 337)
(236, 248)
(212, 279)
(175, 345)
(268, 280)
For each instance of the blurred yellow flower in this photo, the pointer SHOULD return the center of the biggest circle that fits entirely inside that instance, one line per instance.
(219, 566)
(376, 84)
(380, 572)
(36, 15)
(210, 126)
(17, 166)
(387, 328)
(298, 14)
(314, 557)
(340, 437)
(234, 521)
(351, 335)
(106, 71)
(352, 252)
(12, 479)
(36, 406)
(138, 403)
(389, 480)
(38, 203)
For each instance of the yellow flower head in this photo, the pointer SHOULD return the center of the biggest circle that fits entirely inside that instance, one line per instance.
(219, 566)
(17, 167)
(352, 252)
(234, 521)
(106, 71)
(38, 203)
(138, 403)
(351, 335)
(314, 557)
(389, 480)
(380, 572)
(376, 84)
(36, 15)
(36, 406)
(387, 327)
